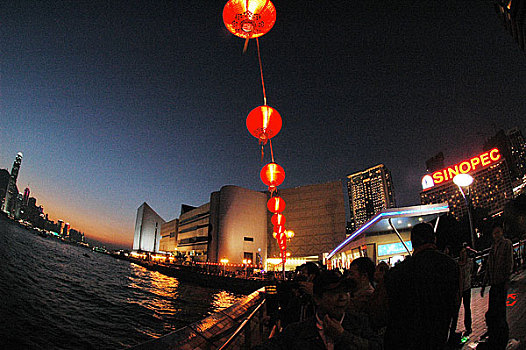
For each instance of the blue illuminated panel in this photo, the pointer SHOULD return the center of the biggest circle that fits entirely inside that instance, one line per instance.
(393, 248)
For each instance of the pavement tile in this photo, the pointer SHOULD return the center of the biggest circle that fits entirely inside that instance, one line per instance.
(515, 311)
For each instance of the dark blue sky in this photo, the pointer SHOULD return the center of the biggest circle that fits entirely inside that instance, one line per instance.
(117, 103)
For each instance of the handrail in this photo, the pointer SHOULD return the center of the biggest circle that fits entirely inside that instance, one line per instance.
(241, 326)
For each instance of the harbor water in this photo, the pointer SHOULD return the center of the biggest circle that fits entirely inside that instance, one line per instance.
(55, 295)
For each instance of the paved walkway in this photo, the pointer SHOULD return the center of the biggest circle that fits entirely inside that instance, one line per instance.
(516, 311)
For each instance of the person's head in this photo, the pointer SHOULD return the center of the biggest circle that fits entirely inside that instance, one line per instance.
(497, 232)
(310, 270)
(361, 270)
(422, 234)
(380, 271)
(331, 294)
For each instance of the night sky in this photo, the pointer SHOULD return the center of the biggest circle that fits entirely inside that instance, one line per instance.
(114, 103)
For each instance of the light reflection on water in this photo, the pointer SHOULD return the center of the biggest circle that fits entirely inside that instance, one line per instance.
(56, 295)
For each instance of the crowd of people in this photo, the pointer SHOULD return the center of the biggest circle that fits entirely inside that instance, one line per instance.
(413, 305)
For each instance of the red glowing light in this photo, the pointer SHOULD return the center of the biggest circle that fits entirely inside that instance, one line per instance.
(249, 19)
(276, 204)
(278, 219)
(264, 122)
(272, 175)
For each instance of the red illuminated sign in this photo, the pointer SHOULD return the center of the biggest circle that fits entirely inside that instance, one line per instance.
(467, 166)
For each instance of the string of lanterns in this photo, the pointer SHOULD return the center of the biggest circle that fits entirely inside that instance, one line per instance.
(250, 19)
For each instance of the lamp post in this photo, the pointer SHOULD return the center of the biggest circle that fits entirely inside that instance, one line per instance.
(464, 181)
(224, 261)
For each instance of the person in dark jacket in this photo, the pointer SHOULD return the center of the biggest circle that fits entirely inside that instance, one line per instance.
(331, 327)
(423, 293)
(498, 272)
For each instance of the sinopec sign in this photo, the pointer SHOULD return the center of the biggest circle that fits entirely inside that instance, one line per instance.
(445, 175)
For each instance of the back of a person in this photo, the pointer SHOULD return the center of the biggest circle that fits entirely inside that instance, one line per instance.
(422, 292)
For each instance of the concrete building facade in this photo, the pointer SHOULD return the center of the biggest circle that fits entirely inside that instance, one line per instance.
(169, 230)
(238, 225)
(147, 229)
(316, 214)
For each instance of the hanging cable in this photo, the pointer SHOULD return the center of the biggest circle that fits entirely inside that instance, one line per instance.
(261, 72)
(271, 152)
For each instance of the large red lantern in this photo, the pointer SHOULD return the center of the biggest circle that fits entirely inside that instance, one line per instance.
(278, 219)
(276, 204)
(249, 19)
(264, 122)
(272, 175)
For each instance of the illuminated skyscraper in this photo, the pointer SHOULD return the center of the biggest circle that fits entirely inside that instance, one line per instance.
(512, 13)
(491, 187)
(12, 191)
(369, 191)
(512, 146)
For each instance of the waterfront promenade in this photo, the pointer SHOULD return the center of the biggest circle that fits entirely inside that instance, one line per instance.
(516, 311)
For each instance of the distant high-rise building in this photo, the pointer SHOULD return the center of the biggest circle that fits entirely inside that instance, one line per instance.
(147, 229)
(25, 201)
(12, 190)
(512, 14)
(65, 231)
(369, 191)
(512, 147)
(60, 225)
(435, 163)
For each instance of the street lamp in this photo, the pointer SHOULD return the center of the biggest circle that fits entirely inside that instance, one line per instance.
(464, 181)
(224, 261)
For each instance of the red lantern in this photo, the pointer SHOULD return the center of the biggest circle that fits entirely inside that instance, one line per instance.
(249, 19)
(276, 204)
(278, 219)
(279, 229)
(264, 122)
(272, 175)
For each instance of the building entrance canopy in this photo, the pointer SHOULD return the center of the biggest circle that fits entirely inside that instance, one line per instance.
(400, 218)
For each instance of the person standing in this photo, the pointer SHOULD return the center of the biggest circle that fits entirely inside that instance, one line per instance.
(465, 264)
(423, 293)
(498, 272)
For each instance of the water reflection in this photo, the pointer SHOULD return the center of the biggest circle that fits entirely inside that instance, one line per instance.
(222, 300)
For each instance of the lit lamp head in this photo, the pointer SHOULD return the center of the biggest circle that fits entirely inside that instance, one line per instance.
(463, 180)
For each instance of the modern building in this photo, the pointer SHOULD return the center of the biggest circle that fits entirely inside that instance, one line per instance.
(169, 230)
(512, 147)
(232, 226)
(512, 14)
(192, 235)
(369, 191)
(238, 225)
(317, 215)
(147, 229)
(384, 237)
(491, 187)
(26, 196)
(12, 191)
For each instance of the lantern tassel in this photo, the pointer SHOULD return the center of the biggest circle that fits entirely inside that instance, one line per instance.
(246, 45)
(271, 151)
(261, 72)
(262, 151)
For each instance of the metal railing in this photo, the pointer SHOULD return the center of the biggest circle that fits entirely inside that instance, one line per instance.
(246, 330)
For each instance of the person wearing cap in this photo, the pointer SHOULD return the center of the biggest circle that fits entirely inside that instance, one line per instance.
(331, 327)
(423, 292)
